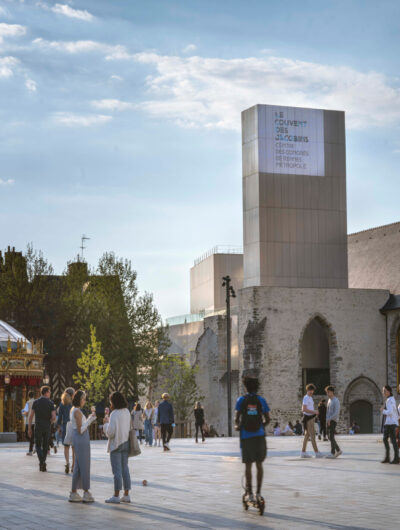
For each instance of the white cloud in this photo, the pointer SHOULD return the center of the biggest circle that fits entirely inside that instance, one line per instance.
(7, 65)
(209, 92)
(111, 52)
(112, 104)
(11, 30)
(6, 182)
(67, 11)
(83, 120)
(31, 85)
(115, 77)
(189, 48)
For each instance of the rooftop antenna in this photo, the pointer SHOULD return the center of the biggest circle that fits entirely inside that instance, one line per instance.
(82, 247)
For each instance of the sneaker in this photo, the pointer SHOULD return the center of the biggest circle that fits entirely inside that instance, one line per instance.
(395, 461)
(87, 497)
(305, 455)
(250, 498)
(331, 456)
(74, 497)
(319, 455)
(113, 500)
(338, 453)
(29, 453)
(126, 499)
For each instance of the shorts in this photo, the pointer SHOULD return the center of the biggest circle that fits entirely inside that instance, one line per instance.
(254, 449)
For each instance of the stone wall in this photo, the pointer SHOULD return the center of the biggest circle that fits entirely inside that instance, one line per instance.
(272, 321)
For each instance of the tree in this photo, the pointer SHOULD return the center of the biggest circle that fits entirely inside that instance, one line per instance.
(178, 378)
(94, 372)
(140, 341)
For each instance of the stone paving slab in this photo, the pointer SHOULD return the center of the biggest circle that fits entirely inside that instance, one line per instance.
(199, 486)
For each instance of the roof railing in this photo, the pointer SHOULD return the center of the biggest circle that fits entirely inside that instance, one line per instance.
(219, 249)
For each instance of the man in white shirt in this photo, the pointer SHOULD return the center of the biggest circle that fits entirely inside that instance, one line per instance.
(26, 413)
(309, 415)
(391, 423)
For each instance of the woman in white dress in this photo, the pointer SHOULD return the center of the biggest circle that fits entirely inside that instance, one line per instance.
(81, 444)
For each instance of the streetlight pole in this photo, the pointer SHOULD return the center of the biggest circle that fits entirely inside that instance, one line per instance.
(229, 293)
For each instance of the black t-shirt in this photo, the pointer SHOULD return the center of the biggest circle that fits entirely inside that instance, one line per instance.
(43, 408)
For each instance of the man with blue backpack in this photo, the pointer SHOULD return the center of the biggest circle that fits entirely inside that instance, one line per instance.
(252, 415)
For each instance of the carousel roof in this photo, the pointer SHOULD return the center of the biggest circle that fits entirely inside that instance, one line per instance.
(7, 331)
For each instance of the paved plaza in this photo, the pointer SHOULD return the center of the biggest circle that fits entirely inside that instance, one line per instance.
(199, 486)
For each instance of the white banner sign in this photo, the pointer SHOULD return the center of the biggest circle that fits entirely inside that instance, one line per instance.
(291, 140)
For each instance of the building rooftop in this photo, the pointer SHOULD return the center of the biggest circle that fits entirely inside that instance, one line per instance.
(219, 249)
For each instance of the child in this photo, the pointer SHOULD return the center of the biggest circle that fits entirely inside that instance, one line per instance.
(252, 415)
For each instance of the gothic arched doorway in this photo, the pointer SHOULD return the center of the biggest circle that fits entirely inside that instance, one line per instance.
(361, 411)
(315, 353)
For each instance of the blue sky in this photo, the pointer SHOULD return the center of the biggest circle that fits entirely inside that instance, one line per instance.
(120, 119)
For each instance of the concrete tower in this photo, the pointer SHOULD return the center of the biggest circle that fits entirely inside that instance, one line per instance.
(294, 197)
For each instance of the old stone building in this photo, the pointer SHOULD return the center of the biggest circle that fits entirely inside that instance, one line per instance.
(314, 304)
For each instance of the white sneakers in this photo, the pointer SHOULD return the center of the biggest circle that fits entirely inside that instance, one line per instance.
(305, 455)
(113, 500)
(74, 497)
(319, 455)
(330, 456)
(116, 500)
(338, 453)
(87, 497)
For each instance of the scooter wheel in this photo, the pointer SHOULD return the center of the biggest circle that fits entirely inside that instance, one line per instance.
(245, 505)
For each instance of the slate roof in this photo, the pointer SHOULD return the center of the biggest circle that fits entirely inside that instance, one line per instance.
(374, 258)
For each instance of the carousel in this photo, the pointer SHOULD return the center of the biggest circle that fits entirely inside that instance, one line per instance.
(21, 370)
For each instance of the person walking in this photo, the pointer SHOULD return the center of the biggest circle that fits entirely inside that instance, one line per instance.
(64, 411)
(391, 416)
(44, 414)
(165, 418)
(138, 425)
(309, 415)
(322, 420)
(81, 443)
(117, 427)
(332, 418)
(156, 425)
(148, 416)
(199, 421)
(26, 413)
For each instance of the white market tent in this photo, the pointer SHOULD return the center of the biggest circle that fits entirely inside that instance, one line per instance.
(7, 331)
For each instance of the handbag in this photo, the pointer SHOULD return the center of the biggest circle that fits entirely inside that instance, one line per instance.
(68, 434)
(134, 448)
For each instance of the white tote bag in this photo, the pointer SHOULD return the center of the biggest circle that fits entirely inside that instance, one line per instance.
(68, 434)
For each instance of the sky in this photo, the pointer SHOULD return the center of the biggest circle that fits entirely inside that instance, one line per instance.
(120, 119)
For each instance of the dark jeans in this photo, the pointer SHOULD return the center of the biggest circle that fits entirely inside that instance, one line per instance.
(32, 438)
(199, 426)
(42, 437)
(166, 432)
(322, 427)
(389, 431)
(334, 446)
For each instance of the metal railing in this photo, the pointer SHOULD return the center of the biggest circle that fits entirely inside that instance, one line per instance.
(219, 249)
(193, 317)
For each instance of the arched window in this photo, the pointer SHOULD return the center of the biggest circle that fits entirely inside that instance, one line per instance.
(315, 355)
